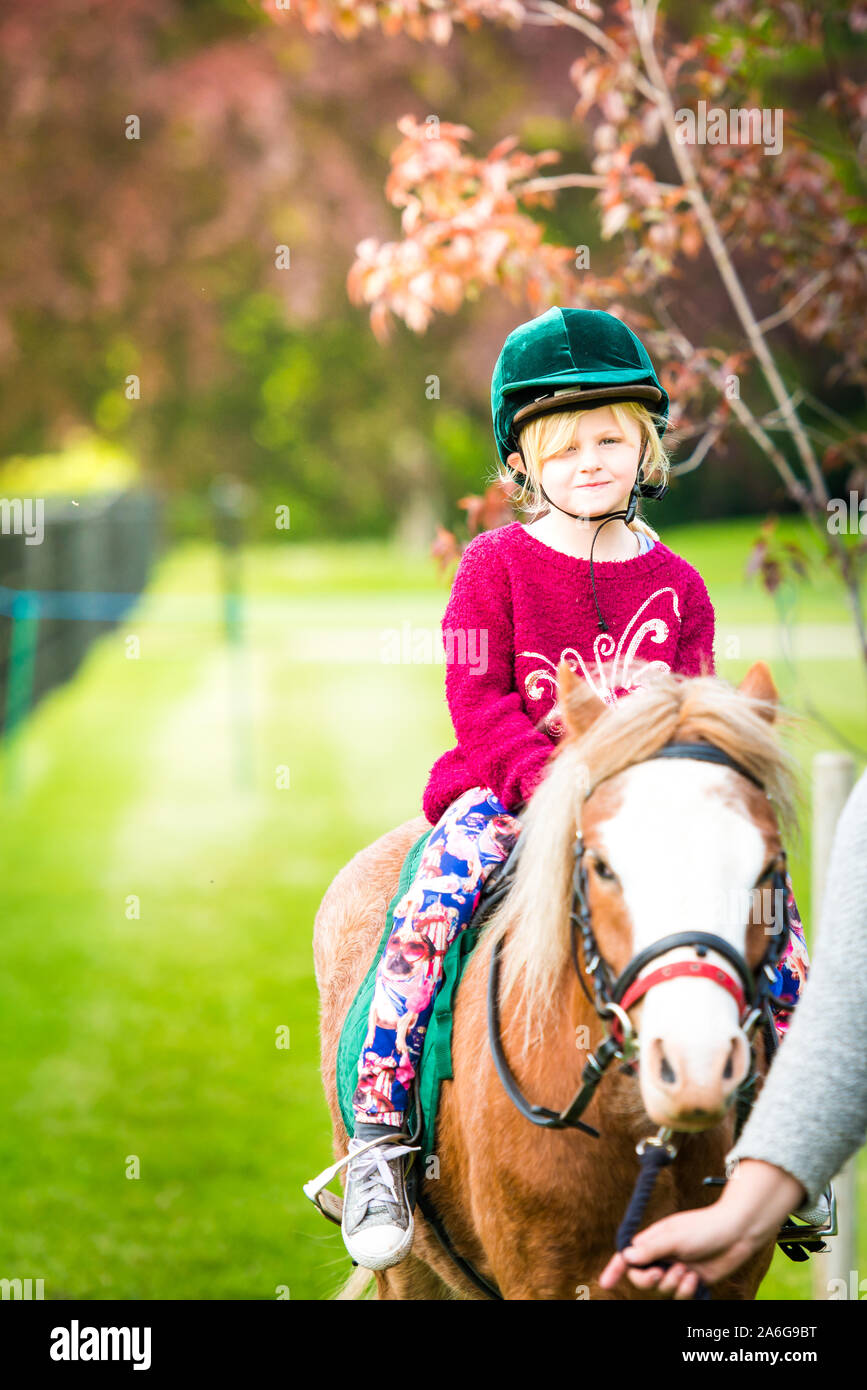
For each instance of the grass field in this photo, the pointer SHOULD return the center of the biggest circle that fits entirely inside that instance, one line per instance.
(161, 882)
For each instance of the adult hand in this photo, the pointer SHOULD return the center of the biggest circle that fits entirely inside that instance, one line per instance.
(710, 1242)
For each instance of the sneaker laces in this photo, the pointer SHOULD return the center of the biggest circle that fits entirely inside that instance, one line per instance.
(313, 1188)
(371, 1174)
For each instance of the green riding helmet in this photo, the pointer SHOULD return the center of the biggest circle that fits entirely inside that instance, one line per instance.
(571, 358)
(575, 358)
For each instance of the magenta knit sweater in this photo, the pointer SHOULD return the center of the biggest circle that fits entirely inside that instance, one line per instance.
(518, 606)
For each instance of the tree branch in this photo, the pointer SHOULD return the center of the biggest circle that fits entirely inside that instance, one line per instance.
(726, 269)
(701, 450)
(816, 516)
(791, 307)
(545, 185)
(585, 26)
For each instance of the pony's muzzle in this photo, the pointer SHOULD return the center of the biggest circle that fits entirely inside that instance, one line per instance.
(685, 1092)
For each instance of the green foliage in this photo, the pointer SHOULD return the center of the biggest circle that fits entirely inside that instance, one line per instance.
(463, 446)
(87, 465)
(318, 421)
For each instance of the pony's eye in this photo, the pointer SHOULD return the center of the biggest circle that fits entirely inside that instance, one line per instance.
(603, 870)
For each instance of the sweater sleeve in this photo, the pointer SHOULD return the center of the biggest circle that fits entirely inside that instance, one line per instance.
(500, 743)
(811, 1114)
(694, 655)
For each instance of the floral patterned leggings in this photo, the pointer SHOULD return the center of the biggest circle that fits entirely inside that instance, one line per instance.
(473, 835)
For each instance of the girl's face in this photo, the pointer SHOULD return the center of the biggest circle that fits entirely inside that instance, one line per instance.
(596, 471)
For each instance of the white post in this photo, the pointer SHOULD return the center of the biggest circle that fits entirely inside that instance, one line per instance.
(833, 779)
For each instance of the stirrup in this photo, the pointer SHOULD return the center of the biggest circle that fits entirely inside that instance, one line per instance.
(330, 1203)
(800, 1239)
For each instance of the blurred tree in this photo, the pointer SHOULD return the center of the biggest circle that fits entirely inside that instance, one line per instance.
(158, 153)
(466, 223)
(157, 156)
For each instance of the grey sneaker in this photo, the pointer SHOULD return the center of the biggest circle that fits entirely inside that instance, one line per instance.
(820, 1214)
(377, 1222)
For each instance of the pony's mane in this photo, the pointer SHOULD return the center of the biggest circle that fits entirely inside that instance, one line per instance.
(669, 706)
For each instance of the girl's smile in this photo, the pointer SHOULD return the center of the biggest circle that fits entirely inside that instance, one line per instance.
(568, 477)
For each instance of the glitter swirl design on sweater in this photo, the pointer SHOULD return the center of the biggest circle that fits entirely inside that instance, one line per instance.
(657, 629)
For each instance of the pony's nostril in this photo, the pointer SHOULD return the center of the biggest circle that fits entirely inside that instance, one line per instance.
(734, 1059)
(666, 1072)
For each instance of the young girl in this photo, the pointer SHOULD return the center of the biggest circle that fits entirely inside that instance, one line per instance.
(578, 416)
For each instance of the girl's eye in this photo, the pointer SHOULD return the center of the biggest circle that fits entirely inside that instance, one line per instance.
(609, 439)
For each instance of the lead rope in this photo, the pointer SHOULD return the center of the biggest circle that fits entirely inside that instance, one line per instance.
(654, 1155)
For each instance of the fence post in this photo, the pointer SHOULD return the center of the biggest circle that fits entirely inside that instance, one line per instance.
(833, 780)
(19, 688)
(231, 501)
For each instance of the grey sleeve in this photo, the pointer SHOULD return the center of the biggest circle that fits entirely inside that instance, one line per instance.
(811, 1114)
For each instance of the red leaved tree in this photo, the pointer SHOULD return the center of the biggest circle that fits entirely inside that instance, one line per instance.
(788, 228)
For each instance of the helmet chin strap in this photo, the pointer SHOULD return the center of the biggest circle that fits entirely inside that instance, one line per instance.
(626, 513)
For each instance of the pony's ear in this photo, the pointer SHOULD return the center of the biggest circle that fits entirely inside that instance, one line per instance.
(577, 701)
(758, 684)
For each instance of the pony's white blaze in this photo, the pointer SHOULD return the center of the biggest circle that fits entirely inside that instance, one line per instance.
(686, 861)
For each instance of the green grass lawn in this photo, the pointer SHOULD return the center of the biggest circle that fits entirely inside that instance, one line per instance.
(160, 889)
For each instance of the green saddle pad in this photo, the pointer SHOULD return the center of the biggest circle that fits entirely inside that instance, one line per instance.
(436, 1059)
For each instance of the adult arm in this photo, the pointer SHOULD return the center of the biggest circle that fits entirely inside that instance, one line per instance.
(812, 1110)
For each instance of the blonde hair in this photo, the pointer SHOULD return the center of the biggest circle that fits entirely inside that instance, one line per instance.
(545, 436)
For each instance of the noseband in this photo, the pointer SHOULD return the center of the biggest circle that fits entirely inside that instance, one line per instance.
(614, 997)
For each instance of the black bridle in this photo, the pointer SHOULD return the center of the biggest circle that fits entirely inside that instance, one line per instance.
(614, 996)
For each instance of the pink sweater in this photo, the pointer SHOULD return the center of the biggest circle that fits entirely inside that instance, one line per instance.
(516, 607)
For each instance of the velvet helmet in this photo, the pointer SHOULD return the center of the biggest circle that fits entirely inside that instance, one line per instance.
(572, 359)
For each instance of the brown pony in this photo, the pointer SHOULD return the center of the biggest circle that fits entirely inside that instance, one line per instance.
(672, 846)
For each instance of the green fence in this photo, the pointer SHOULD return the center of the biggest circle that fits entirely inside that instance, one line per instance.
(64, 581)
